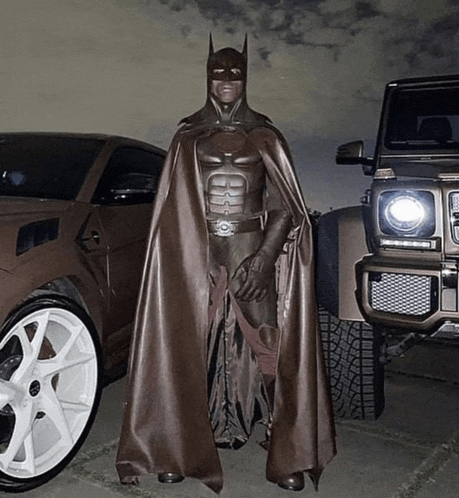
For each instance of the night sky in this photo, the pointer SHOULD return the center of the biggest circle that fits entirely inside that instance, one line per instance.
(136, 67)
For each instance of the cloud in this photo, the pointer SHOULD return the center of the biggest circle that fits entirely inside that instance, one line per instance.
(333, 56)
(317, 67)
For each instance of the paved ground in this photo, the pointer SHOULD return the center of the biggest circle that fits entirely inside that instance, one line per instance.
(411, 451)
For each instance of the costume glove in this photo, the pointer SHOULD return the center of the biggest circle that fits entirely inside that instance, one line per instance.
(256, 272)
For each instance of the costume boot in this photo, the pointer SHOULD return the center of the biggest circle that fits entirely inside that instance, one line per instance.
(170, 478)
(295, 481)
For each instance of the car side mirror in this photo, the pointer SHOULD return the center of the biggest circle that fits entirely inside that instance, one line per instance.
(352, 153)
(130, 196)
(132, 188)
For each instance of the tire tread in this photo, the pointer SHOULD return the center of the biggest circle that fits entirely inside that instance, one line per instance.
(356, 375)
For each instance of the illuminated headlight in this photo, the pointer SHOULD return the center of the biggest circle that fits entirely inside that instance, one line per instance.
(407, 213)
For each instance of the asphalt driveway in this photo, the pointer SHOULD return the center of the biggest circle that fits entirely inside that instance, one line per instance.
(411, 451)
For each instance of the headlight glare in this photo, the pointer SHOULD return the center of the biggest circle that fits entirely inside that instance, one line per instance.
(405, 213)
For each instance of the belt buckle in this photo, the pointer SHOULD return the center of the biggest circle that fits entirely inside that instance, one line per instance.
(224, 228)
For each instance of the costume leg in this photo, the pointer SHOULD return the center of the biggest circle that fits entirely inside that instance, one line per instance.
(235, 393)
(257, 321)
(264, 342)
(259, 324)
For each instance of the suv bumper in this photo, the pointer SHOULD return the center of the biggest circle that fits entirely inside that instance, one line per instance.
(417, 295)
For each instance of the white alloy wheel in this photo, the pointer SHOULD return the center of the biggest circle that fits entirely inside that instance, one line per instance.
(49, 390)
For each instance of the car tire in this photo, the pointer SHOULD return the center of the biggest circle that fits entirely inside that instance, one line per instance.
(50, 386)
(352, 353)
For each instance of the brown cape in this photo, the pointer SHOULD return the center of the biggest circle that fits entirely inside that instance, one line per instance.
(166, 426)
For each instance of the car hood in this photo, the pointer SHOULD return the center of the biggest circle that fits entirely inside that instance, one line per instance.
(29, 206)
(423, 169)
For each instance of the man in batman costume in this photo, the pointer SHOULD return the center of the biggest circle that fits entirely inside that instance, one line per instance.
(226, 331)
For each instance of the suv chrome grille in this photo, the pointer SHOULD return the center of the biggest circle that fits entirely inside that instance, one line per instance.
(402, 293)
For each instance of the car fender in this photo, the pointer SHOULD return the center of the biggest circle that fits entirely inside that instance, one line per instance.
(27, 279)
(340, 244)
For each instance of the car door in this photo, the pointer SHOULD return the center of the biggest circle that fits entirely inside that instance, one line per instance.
(123, 200)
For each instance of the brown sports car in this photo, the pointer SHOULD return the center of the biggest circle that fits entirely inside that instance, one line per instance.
(74, 217)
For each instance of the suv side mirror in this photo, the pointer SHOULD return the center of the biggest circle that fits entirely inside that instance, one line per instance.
(352, 153)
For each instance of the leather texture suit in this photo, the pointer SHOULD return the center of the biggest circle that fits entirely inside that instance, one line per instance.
(227, 301)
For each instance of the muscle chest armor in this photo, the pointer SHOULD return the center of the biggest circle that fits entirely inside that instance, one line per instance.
(233, 174)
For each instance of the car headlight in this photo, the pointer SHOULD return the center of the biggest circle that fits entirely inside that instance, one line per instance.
(407, 213)
(404, 213)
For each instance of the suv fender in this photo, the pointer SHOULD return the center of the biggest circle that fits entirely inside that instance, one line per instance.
(340, 245)
(352, 347)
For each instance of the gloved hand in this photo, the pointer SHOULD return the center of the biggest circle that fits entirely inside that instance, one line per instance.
(255, 274)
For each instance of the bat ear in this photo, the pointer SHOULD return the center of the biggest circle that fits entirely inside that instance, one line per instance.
(244, 50)
(211, 45)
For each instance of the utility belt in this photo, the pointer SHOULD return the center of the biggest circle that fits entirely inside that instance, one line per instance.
(227, 228)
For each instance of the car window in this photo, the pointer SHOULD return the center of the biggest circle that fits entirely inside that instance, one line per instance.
(46, 167)
(131, 176)
(423, 119)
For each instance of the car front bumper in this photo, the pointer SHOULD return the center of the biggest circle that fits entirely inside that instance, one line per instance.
(419, 295)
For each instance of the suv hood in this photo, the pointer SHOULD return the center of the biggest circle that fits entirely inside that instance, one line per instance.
(422, 168)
